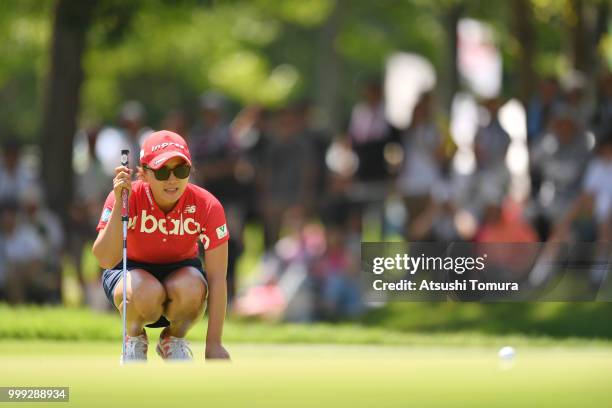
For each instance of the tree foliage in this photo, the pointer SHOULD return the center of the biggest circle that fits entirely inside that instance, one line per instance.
(165, 53)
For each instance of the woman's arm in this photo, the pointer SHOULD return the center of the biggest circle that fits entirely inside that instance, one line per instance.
(108, 245)
(215, 261)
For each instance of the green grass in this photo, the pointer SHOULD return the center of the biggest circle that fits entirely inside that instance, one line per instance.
(54, 323)
(414, 324)
(315, 375)
(246, 267)
(553, 319)
(288, 365)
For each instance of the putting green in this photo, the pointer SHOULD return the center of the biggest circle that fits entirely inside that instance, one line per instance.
(314, 375)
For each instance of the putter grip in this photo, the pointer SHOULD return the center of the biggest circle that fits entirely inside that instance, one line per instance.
(124, 194)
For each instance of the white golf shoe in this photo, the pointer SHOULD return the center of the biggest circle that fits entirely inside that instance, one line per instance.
(136, 348)
(174, 348)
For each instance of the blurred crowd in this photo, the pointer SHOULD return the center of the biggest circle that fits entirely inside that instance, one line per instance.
(317, 195)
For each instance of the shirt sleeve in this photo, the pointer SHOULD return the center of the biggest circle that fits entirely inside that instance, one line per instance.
(214, 226)
(106, 211)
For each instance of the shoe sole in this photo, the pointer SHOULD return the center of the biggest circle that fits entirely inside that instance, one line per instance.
(122, 362)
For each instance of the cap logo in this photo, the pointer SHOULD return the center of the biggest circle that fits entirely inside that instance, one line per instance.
(162, 146)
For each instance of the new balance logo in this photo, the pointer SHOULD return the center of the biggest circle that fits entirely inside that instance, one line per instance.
(149, 224)
(190, 209)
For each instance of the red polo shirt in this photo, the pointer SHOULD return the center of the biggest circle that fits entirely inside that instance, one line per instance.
(156, 237)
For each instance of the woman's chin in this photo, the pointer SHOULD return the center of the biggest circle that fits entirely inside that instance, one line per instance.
(170, 196)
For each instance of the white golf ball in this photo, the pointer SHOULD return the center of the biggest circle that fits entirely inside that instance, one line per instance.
(507, 353)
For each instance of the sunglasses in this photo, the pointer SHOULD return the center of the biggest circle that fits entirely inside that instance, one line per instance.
(163, 173)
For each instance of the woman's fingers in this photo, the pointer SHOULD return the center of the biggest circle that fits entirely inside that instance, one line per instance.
(123, 169)
(122, 180)
(123, 177)
(122, 183)
(123, 173)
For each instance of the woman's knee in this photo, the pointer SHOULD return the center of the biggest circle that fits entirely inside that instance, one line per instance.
(186, 291)
(145, 294)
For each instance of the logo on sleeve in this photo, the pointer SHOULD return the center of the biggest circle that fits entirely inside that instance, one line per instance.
(221, 231)
(106, 214)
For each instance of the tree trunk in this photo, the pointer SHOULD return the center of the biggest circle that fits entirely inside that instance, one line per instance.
(525, 36)
(601, 25)
(579, 37)
(328, 70)
(451, 22)
(602, 16)
(71, 23)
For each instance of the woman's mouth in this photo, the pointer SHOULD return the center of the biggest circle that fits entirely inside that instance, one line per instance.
(172, 190)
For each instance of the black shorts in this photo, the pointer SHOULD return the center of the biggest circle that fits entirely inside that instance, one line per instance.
(111, 277)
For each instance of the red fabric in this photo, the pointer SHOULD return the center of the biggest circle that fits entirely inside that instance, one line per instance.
(156, 237)
(510, 228)
(159, 147)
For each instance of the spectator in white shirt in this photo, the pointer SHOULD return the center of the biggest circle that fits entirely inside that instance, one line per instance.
(595, 201)
(15, 176)
(558, 162)
(369, 132)
(23, 253)
(423, 160)
(129, 135)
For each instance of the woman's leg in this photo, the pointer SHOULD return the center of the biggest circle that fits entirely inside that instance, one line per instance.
(145, 300)
(186, 292)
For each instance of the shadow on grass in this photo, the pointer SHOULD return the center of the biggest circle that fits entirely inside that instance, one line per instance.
(554, 319)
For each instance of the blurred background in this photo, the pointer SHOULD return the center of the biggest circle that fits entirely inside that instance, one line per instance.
(318, 124)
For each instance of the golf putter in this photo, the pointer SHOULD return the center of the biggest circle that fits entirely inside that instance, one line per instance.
(124, 219)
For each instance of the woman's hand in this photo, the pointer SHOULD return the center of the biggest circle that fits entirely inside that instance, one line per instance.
(122, 180)
(216, 351)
